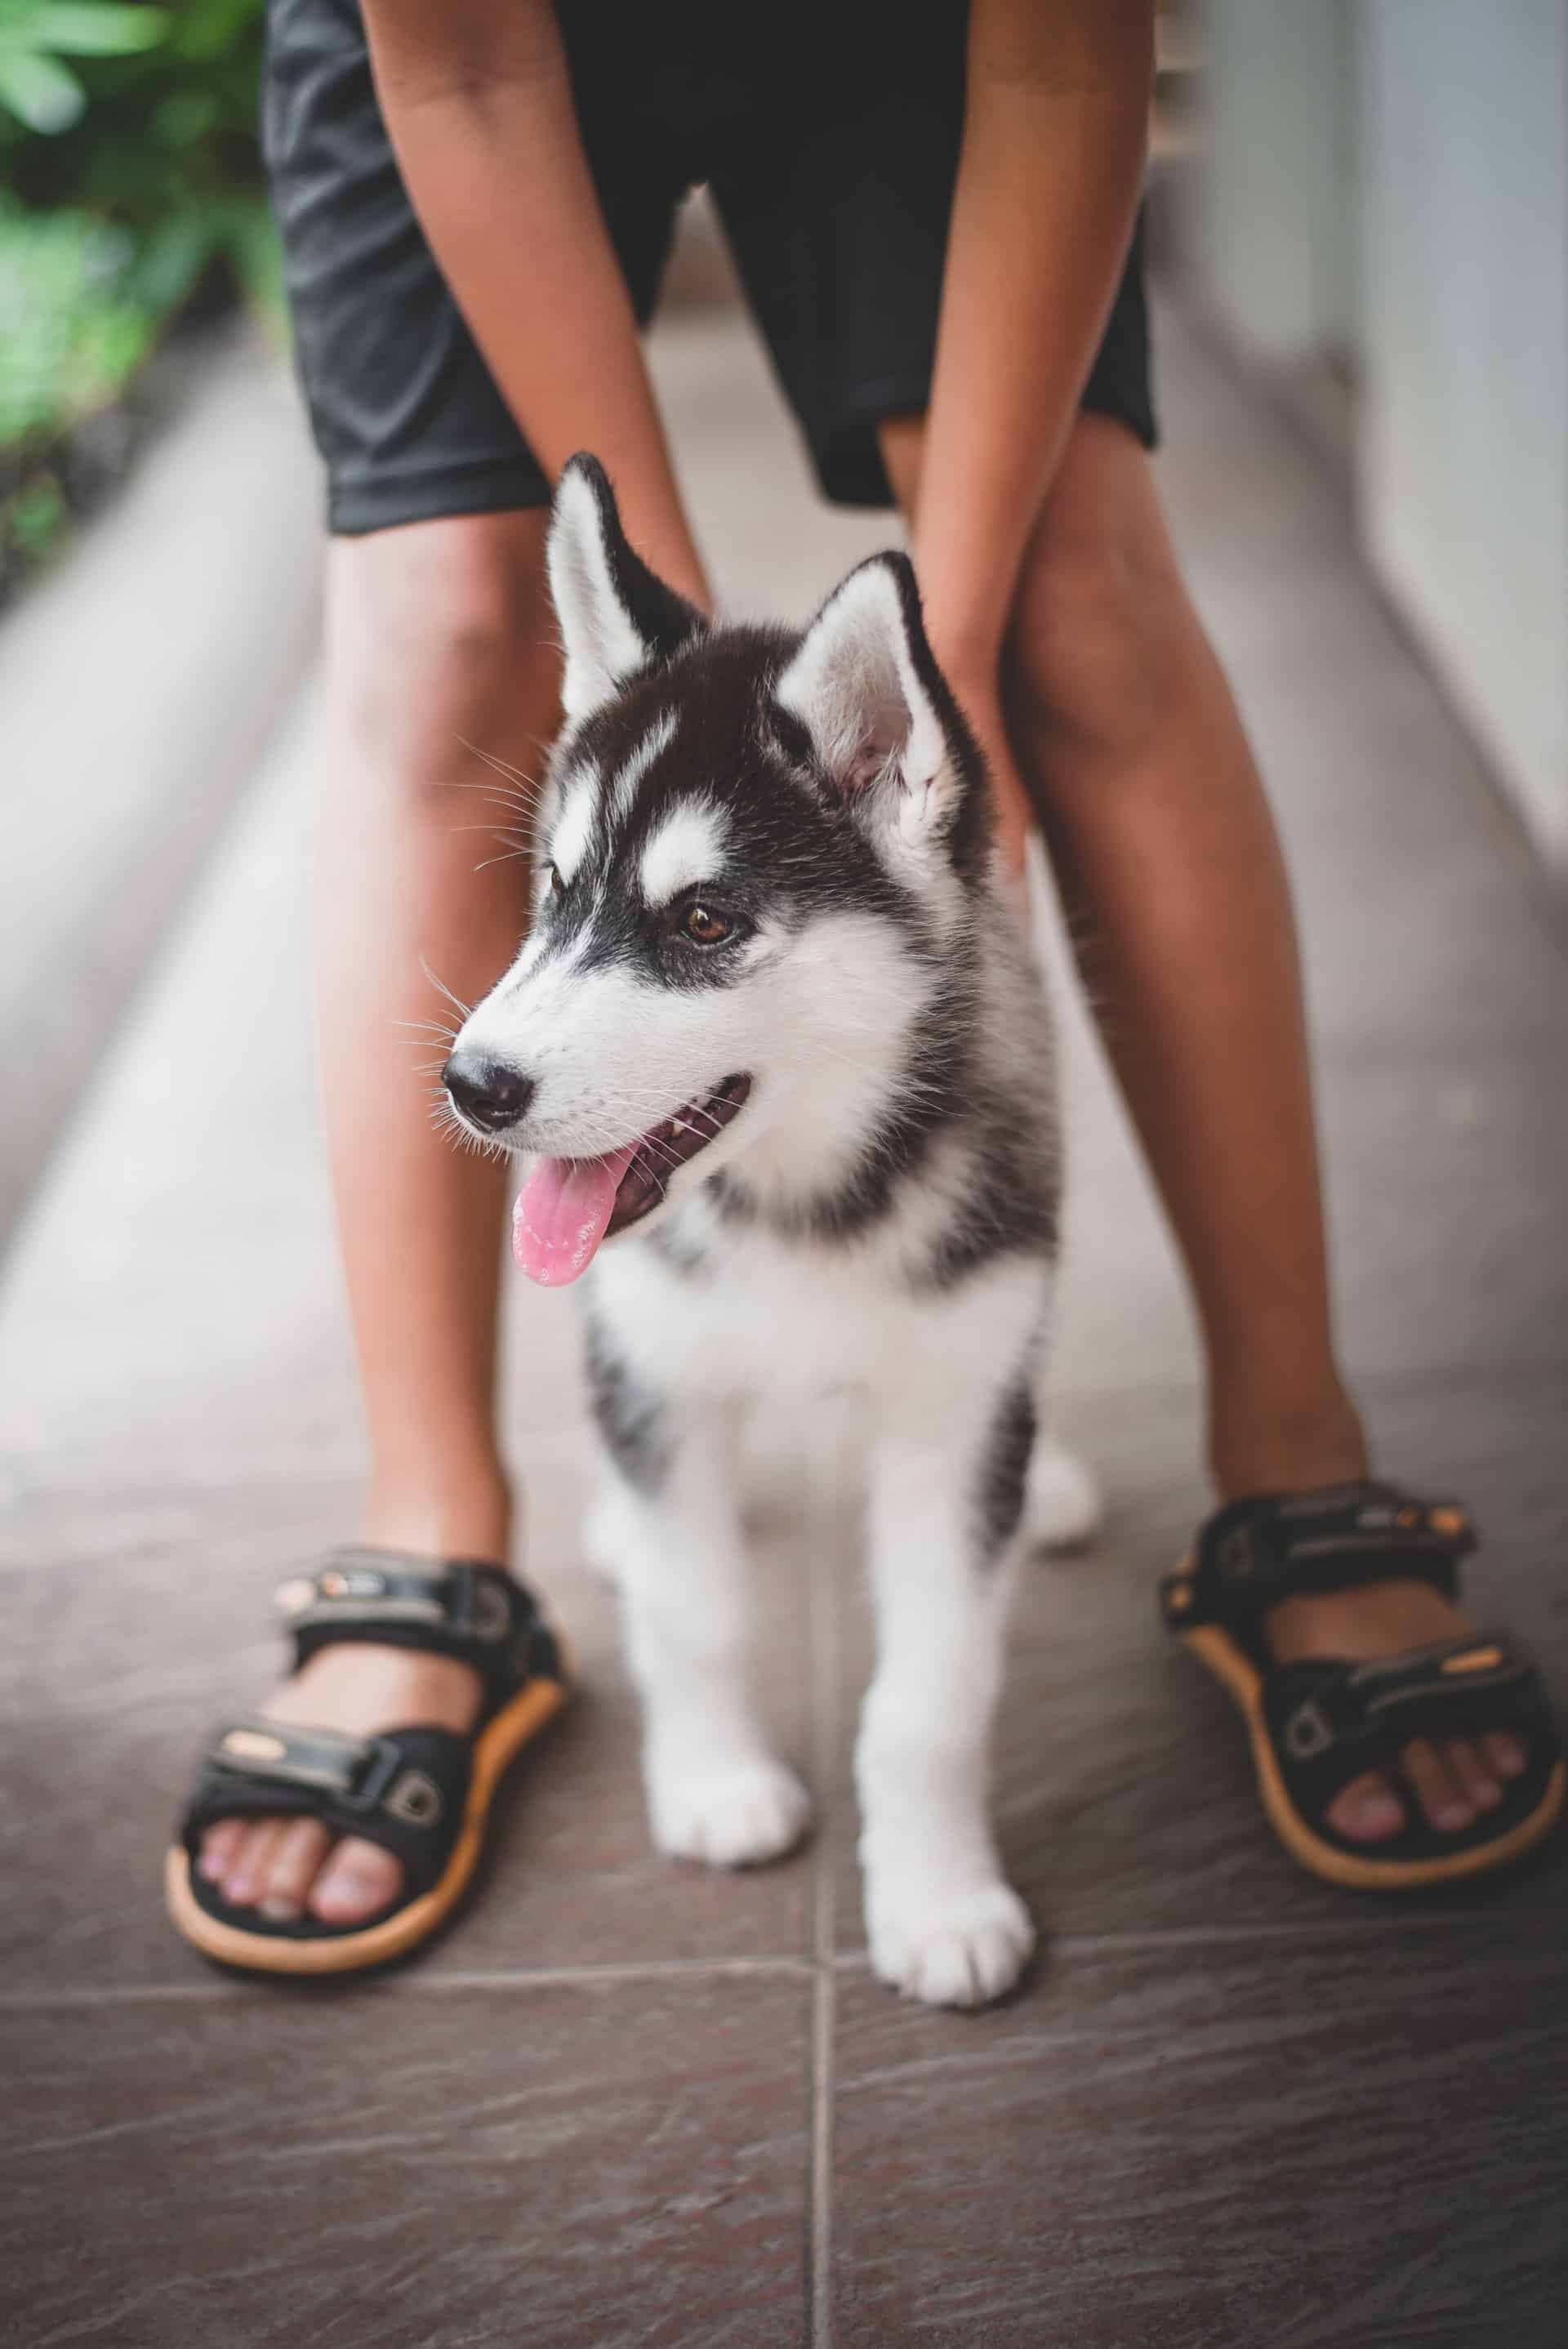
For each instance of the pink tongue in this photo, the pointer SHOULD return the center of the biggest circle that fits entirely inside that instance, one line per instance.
(563, 1211)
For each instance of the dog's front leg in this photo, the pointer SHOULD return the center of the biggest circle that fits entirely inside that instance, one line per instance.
(715, 1792)
(942, 1923)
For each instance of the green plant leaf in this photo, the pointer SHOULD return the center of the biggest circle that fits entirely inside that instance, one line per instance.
(176, 253)
(39, 91)
(38, 515)
(95, 29)
(182, 120)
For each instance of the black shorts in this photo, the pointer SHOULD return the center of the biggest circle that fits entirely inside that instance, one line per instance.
(829, 151)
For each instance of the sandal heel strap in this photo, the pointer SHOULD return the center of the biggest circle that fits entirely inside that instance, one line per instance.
(1254, 1552)
(468, 1609)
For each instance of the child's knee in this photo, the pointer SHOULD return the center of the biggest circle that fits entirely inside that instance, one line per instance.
(440, 652)
(1093, 653)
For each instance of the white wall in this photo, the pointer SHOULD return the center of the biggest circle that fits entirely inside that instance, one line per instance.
(1462, 455)
(1268, 233)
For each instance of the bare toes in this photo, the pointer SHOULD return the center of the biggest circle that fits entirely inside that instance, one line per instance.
(1443, 1800)
(246, 1879)
(358, 1880)
(1506, 1753)
(296, 1863)
(1474, 1773)
(220, 1848)
(1368, 1808)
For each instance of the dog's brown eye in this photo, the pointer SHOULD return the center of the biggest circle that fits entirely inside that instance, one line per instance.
(557, 885)
(704, 928)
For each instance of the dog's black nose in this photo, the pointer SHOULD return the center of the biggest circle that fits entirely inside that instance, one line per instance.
(488, 1093)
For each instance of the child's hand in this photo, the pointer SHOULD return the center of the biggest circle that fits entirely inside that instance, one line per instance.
(980, 698)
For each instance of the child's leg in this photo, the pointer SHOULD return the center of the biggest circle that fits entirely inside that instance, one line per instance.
(436, 633)
(1165, 854)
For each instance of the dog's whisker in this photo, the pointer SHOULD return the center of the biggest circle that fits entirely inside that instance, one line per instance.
(465, 1010)
(501, 766)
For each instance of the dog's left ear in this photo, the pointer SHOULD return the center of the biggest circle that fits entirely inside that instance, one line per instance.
(616, 616)
(866, 688)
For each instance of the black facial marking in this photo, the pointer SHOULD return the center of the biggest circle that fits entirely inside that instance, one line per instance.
(1004, 1468)
(792, 852)
(629, 1415)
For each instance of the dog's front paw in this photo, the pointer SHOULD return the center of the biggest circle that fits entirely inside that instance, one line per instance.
(730, 1814)
(952, 1949)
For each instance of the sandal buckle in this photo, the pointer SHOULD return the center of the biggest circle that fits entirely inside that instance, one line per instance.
(1308, 1732)
(477, 1606)
(383, 1765)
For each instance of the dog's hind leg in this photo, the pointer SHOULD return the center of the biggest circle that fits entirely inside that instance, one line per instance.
(673, 1540)
(1062, 1503)
(946, 1497)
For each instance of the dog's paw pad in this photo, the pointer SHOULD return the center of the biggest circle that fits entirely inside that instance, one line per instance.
(731, 1814)
(1062, 1506)
(959, 1952)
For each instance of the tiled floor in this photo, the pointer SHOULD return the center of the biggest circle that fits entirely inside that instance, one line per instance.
(631, 2103)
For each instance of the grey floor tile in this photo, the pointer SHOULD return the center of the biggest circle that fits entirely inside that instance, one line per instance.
(584, 2165)
(1351, 2142)
(1448, 1179)
(1123, 1788)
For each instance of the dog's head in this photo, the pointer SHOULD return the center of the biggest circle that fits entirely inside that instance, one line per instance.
(760, 855)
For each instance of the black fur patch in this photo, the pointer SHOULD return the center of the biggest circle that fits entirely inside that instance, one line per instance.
(925, 1097)
(679, 1249)
(630, 1417)
(1004, 1470)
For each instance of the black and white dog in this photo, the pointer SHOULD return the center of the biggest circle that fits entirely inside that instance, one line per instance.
(775, 1034)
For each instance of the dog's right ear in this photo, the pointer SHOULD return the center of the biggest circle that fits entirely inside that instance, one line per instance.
(615, 615)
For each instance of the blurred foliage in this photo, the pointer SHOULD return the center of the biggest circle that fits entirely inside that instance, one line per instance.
(38, 87)
(128, 142)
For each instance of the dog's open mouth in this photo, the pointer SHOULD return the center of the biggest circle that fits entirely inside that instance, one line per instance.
(569, 1204)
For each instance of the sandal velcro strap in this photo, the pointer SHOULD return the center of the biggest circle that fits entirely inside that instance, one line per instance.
(404, 1790)
(474, 1612)
(1458, 1688)
(1271, 1546)
(1330, 1721)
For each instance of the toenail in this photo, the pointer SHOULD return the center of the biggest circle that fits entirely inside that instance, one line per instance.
(211, 1865)
(1454, 1815)
(281, 1910)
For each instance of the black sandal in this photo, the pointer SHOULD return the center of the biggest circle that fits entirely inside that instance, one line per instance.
(425, 1794)
(1315, 1725)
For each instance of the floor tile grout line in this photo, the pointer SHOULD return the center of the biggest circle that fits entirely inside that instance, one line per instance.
(820, 1970)
(825, 1534)
(633, 1972)
(1202, 1937)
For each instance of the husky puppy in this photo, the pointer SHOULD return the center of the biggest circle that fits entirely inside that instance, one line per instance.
(780, 1057)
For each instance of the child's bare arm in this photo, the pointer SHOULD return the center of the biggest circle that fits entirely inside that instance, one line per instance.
(477, 101)
(1055, 137)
